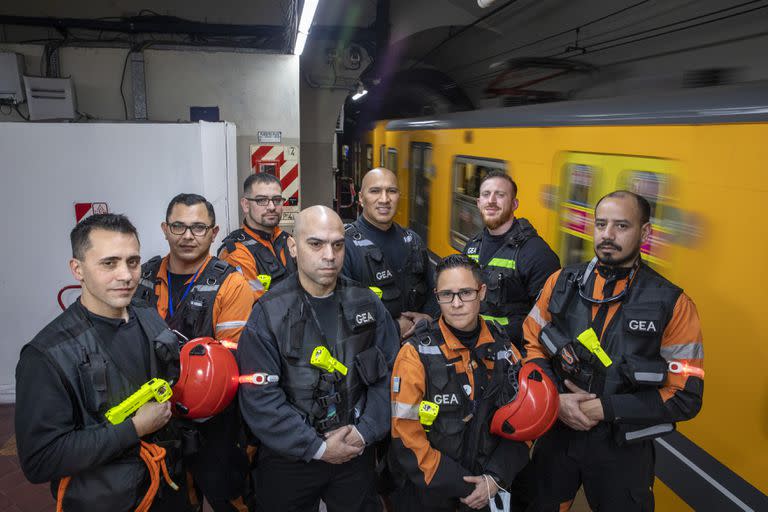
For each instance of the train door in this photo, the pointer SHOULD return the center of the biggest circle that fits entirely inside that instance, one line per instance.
(586, 177)
(421, 160)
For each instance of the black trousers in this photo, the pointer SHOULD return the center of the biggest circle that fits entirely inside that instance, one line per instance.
(285, 485)
(615, 477)
(219, 468)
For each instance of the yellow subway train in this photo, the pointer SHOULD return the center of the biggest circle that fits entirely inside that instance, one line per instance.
(701, 158)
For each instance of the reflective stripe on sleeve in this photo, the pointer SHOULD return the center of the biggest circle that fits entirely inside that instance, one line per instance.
(234, 324)
(683, 351)
(405, 411)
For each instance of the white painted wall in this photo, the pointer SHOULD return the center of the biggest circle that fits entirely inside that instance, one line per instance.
(256, 91)
(136, 168)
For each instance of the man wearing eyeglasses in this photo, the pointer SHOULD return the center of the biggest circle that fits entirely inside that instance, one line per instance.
(456, 366)
(200, 295)
(259, 248)
(625, 346)
(515, 259)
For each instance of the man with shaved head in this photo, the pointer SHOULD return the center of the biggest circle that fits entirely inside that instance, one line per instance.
(319, 349)
(386, 256)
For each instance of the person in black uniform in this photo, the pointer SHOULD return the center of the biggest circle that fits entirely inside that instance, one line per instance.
(516, 262)
(515, 259)
(316, 423)
(87, 360)
(625, 347)
(383, 254)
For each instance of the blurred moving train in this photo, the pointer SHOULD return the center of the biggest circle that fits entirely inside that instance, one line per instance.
(700, 156)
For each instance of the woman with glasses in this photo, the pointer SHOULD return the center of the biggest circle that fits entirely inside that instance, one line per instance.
(445, 385)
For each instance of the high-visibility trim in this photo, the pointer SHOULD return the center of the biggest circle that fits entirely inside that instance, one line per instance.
(548, 344)
(683, 351)
(147, 283)
(231, 345)
(207, 287)
(405, 411)
(536, 315)
(502, 263)
(501, 320)
(654, 430)
(256, 285)
(649, 377)
(429, 349)
(233, 324)
(475, 257)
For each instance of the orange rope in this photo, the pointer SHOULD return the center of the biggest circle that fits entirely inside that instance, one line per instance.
(154, 457)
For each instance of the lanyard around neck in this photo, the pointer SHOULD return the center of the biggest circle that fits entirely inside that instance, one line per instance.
(186, 291)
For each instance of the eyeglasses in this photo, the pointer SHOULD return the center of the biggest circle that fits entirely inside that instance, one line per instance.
(264, 200)
(179, 228)
(465, 295)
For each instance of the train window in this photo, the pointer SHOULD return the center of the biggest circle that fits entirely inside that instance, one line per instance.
(368, 157)
(576, 212)
(468, 172)
(650, 185)
(382, 155)
(392, 160)
(580, 181)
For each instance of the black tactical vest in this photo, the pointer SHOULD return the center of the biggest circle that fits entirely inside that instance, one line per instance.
(266, 262)
(95, 383)
(314, 392)
(506, 294)
(402, 290)
(632, 339)
(194, 316)
(469, 442)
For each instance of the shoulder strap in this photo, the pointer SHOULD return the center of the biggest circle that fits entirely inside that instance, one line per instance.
(150, 268)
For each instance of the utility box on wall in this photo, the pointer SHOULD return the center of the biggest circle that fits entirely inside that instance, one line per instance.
(50, 98)
(11, 72)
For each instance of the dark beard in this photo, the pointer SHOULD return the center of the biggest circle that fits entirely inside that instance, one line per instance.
(610, 261)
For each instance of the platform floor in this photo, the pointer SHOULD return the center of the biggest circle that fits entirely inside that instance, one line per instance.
(18, 495)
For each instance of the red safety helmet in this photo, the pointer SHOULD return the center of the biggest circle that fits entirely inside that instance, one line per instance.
(532, 411)
(208, 379)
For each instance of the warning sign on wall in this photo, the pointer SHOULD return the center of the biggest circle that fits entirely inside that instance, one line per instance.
(83, 210)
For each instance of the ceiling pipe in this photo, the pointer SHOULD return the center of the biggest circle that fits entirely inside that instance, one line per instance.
(485, 3)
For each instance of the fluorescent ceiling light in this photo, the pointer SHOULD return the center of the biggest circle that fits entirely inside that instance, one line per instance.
(359, 94)
(305, 22)
(301, 40)
(307, 15)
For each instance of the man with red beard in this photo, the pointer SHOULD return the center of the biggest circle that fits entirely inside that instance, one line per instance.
(515, 260)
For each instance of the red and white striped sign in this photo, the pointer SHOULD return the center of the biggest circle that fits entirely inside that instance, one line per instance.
(287, 160)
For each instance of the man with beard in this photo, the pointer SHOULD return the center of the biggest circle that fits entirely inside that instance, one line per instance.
(515, 259)
(320, 348)
(382, 254)
(259, 249)
(625, 347)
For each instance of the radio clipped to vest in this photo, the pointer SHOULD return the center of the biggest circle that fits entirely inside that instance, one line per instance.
(428, 412)
(157, 389)
(322, 358)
